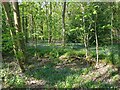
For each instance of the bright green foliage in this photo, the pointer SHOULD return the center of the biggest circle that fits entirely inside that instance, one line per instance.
(80, 20)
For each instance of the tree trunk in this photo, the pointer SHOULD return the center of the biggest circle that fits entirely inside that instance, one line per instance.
(42, 32)
(7, 9)
(85, 35)
(20, 39)
(63, 24)
(118, 44)
(47, 20)
(112, 36)
(26, 30)
(50, 25)
(96, 38)
(23, 30)
(32, 28)
(36, 40)
(23, 25)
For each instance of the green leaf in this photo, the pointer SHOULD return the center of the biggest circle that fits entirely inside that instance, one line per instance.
(94, 12)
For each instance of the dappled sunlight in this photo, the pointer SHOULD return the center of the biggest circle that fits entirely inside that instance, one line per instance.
(60, 45)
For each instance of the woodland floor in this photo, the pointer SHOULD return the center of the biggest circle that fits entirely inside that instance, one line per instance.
(56, 67)
(44, 73)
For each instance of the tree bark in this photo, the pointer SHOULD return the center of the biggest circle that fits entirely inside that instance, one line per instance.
(36, 40)
(23, 25)
(16, 43)
(63, 23)
(50, 25)
(85, 34)
(47, 20)
(112, 35)
(26, 30)
(96, 38)
(32, 27)
(42, 30)
(20, 39)
(7, 9)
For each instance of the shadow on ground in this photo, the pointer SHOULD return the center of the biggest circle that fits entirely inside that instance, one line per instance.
(50, 75)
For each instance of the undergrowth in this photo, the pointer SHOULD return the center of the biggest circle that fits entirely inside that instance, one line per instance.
(59, 78)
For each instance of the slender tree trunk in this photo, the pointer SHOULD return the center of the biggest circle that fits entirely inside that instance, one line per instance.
(63, 23)
(112, 36)
(26, 30)
(96, 38)
(32, 27)
(85, 34)
(42, 32)
(20, 39)
(86, 45)
(50, 25)
(47, 20)
(23, 25)
(118, 43)
(88, 38)
(36, 40)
